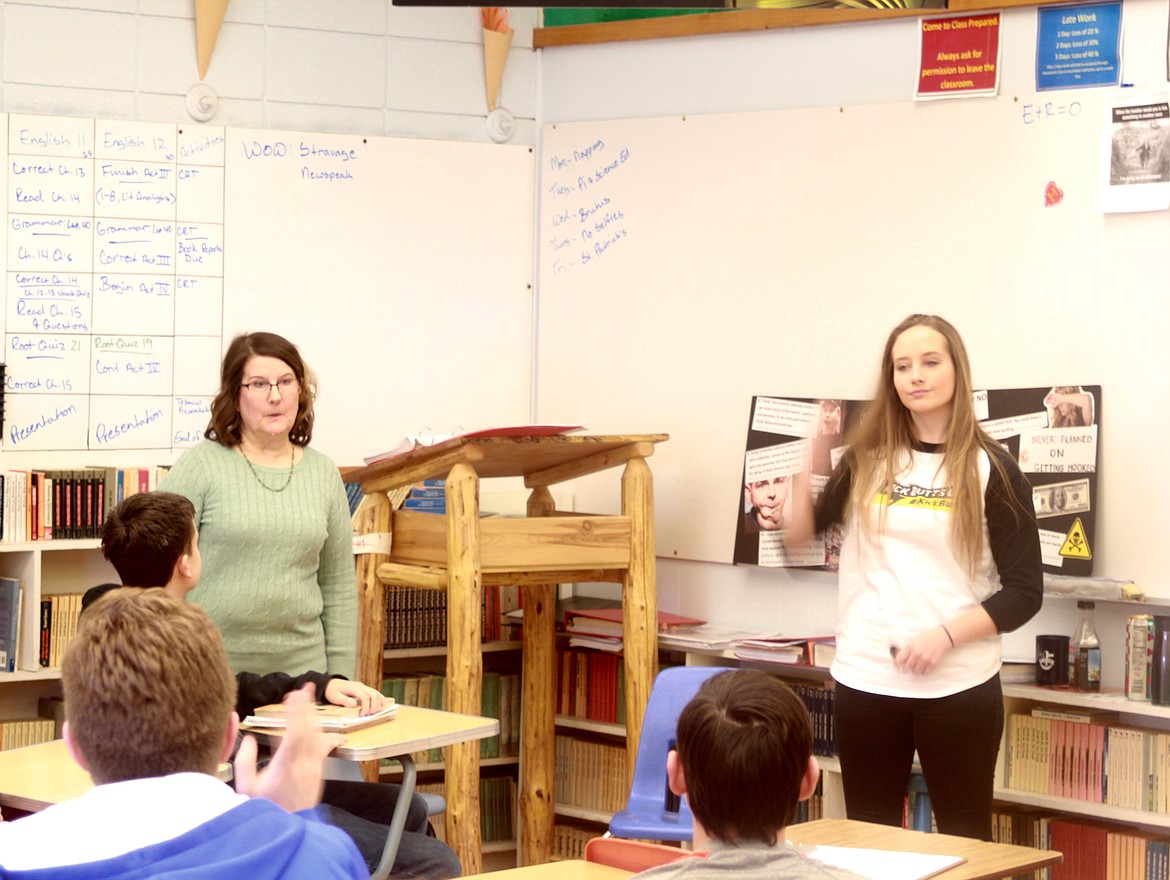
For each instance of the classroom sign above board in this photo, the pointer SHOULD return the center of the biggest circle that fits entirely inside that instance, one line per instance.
(1051, 433)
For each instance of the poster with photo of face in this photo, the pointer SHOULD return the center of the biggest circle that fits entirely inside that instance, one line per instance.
(1050, 431)
(787, 436)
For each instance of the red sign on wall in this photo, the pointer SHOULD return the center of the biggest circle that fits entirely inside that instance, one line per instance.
(959, 55)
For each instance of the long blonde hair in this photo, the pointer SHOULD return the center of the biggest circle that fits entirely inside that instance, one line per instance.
(884, 435)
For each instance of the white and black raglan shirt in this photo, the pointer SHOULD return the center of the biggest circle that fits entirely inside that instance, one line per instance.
(905, 578)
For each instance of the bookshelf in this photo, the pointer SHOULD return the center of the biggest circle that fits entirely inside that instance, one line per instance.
(499, 765)
(1019, 698)
(58, 566)
(596, 789)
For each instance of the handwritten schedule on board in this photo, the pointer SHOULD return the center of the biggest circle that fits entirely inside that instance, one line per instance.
(114, 285)
(588, 219)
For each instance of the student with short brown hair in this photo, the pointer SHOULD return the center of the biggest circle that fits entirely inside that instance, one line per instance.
(148, 696)
(151, 540)
(744, 760)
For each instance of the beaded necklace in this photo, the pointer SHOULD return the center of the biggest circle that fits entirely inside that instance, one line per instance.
(287, 479)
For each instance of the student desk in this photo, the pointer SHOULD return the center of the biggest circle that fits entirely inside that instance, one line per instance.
(410, 730)
(35, 777)
(459, 553)
(569, 869)
(984, 861)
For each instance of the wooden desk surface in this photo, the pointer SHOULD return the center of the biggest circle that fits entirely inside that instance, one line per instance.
(984, 861)
(412, 729)
(503, 457)
(570, 869)
(35, 777)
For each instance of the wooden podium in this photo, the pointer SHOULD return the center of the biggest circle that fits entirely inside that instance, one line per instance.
(460, 553)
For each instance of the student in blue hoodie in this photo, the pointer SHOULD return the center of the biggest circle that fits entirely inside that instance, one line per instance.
(150, 697)
(151, 540)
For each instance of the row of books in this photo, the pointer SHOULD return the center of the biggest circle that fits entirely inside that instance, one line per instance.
(497, 809)
(592, 685)
(38, 505)
(58, 624)
(1092, 851)
(1080, 754)
(418, 618)
(20, 732)
(430, 496)
(590, 775)
(502, 695)
(819, 702)
(569, 840)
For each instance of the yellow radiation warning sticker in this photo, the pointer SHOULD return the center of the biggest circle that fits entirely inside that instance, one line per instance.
(1076, 545)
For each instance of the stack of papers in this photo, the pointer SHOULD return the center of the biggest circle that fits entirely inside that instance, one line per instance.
(784, 650)
(880, 864)
(327, 717)
(707, 637)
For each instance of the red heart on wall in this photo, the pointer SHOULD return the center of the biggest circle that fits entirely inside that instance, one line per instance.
(1053, 195)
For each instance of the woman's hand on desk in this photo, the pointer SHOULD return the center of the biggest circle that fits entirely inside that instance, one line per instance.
(293, 778)
(343, 692)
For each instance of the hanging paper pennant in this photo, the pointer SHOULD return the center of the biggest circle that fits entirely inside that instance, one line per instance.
(497, 38)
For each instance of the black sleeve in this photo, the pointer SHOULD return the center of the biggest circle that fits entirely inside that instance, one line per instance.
(254, 690)
(1015, 546)
(830, 509)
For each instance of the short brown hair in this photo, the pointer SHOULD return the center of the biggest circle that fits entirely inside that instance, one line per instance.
(146, 534)
(744, 742)
(225, 424)
(148, 689)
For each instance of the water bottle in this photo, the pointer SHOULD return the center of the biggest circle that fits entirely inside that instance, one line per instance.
(1085, 651)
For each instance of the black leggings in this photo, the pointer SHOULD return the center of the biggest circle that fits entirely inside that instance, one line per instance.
(957, 739)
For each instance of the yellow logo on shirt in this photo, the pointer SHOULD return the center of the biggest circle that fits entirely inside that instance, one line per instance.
(915, 496)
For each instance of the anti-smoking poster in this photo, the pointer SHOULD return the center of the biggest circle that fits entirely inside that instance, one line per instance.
(1051, 432)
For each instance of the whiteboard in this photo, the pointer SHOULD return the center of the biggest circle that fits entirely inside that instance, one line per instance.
(134, 251)
(690, 262)
(402, 268)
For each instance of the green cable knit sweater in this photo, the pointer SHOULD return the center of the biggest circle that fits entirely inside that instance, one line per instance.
(278, 571)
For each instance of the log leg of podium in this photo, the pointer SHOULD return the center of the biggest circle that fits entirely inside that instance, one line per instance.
(464, 662)
(372, 519)
(538, 721)
(639, 603)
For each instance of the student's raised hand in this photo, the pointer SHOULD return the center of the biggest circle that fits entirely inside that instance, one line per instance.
(293, 778)
(343, 692)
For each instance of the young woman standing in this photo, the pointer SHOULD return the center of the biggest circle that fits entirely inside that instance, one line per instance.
(940, 556)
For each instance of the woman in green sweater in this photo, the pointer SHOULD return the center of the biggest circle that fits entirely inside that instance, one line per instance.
(274, 525)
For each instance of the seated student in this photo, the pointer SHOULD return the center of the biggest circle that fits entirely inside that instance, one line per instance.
(151, 540)
(149, 695)
(744, 760)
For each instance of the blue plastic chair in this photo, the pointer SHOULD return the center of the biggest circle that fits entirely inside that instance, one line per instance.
(652, 812)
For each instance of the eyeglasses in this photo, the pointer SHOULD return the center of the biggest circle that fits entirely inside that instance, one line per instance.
(263, 387)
